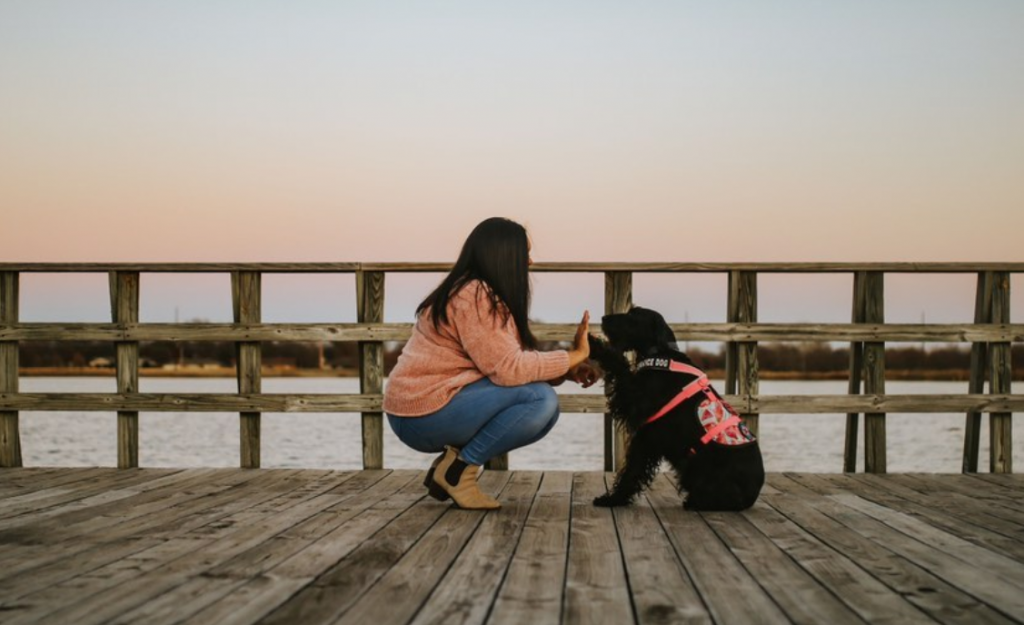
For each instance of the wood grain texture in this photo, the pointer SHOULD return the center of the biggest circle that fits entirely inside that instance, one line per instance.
(857, 316)
(10, 431)
(240, 547)
(370, 300)
(596, 589)
(313, 332)
(535, 579)
(246, 298)
(874, 374)
(618, 298)
(741, 365)
(1001, 368)
(466, 593)
(349, 403)
(979, 371)
(566, 267)
(124, 300)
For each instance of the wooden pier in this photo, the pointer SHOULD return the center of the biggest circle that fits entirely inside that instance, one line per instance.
(990, 335)
(224, 546)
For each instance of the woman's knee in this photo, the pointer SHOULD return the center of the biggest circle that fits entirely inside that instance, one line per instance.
(547, 409)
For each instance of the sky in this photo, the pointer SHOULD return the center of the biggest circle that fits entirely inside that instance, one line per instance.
(678, 131)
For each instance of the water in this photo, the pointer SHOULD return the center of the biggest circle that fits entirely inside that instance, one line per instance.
(807, 443)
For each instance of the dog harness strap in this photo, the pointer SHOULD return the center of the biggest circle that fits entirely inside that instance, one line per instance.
(713, 433)
(691, 389)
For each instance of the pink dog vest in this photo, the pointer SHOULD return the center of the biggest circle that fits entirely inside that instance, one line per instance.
(721, 423)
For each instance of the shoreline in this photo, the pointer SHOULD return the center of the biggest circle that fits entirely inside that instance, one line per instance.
(955, 375)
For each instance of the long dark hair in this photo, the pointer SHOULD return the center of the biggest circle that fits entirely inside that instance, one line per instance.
(497, 254)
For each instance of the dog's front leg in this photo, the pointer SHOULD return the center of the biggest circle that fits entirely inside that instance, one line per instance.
(612, 362)
(641, 466)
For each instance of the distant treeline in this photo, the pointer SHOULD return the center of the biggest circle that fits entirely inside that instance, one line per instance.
(784, 357)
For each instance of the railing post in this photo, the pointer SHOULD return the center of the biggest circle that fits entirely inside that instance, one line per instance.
(979, 369)
(874, 374)
(618, 298)
(10, 435)
(124, 309)
(1000, 424)
(370, 298)
(741, 365)
(856, 373)
(245, 297)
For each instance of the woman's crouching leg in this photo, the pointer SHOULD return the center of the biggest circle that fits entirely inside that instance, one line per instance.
(531, 412)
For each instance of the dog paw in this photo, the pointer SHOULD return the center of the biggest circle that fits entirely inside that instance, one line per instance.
(610, 501)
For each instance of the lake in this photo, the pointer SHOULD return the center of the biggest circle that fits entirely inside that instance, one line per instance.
(806, 443)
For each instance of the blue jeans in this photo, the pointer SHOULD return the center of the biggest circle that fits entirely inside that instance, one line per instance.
(484, 420)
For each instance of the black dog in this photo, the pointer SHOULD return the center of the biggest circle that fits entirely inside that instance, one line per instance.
(724, 473)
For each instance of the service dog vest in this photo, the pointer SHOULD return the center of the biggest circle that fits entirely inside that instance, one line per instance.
(720, 422)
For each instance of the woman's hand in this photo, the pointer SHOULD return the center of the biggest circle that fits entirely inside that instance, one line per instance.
(585, 374)
(581, 347)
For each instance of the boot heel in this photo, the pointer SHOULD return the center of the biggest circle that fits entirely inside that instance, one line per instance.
(437, 492)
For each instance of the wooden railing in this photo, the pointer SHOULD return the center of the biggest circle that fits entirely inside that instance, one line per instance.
(990, 335)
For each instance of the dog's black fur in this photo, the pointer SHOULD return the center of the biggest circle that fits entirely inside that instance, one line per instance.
(715, 477)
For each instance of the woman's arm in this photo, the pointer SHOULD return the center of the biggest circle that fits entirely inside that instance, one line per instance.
(494, 346)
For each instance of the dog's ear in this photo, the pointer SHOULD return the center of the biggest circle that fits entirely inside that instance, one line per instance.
(663, 333)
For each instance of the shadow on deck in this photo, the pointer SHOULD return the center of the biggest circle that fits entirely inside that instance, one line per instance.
(307, 546)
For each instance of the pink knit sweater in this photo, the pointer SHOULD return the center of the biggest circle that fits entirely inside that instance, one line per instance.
(436, 364)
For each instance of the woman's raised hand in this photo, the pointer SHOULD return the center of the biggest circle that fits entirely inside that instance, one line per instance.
(581, 347)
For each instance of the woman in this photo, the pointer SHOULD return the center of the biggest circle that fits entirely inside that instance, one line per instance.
(470, 383)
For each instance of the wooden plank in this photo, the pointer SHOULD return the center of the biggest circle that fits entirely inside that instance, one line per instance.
(730, 592)
(596, 589)
(466, 592)
(202, 586)
(40, 502)
(988, 586)
(336, 590)
(108, 548)
(370, 298)
(182, 267)
(323, 540)
(124, 302)
(246, 300)
(661, 590)
(1001, 371)
(874, 375)
(825, 404)
(397, 331)
(351, 403)
(941, 601)
(115, 586)
(581, 267)
(800, 595)
(192, 402)
(419, 571)
(618, 298)
(10, 433)
(1007, 501)
(979, 368)
(962, 516)
(114, 591)
(867, 597)
(534, 583)
(856, 373)
(964, 550)
(741, 367)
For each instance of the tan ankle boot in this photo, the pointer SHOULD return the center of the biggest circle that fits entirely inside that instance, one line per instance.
(465, 490)
(433, 487)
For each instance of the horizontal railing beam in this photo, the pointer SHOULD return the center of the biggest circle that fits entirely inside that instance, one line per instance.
(316, 332)
(578, 403)
(556, 267)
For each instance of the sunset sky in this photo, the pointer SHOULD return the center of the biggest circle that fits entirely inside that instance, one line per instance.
(615, 131)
